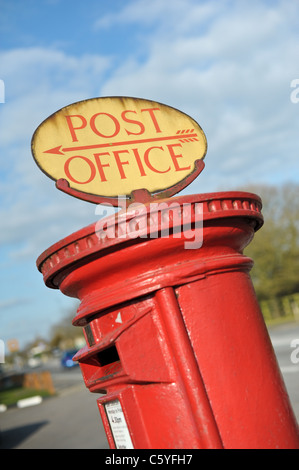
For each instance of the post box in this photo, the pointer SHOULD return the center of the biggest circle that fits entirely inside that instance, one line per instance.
(177, 352)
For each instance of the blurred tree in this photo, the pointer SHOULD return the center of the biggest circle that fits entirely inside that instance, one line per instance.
(64, 331)
(275, 247)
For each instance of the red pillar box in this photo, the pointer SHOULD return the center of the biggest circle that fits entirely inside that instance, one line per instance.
(176, 346)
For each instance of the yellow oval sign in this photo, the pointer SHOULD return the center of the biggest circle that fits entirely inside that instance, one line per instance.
(113, 146)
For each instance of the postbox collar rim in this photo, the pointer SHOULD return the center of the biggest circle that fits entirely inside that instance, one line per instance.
(126, 215)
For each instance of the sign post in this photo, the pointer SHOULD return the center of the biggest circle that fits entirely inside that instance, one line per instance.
(175, 339)
(110, 147)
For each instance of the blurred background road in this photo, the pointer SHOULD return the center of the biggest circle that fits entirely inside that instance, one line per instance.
(71, 419)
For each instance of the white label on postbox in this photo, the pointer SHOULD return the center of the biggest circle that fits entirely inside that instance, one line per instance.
(118, 425)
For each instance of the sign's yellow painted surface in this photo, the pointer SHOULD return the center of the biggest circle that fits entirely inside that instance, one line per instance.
(113, 146)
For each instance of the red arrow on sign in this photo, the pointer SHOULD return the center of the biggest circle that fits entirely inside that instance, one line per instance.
(60, 151)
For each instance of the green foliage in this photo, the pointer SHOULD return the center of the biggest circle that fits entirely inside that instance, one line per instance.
(64, 331)
(11, 396)
(275, 247)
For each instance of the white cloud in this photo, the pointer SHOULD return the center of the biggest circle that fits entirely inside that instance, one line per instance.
(180, 15)
(10, 303)
(39, 81)
(228, 65)
(232, 74)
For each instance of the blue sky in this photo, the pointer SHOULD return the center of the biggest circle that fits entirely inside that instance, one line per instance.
(229, 64)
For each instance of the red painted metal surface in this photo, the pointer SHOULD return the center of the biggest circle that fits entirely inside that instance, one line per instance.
(175, 336)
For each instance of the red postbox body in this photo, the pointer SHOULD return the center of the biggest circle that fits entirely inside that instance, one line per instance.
(176, 344)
